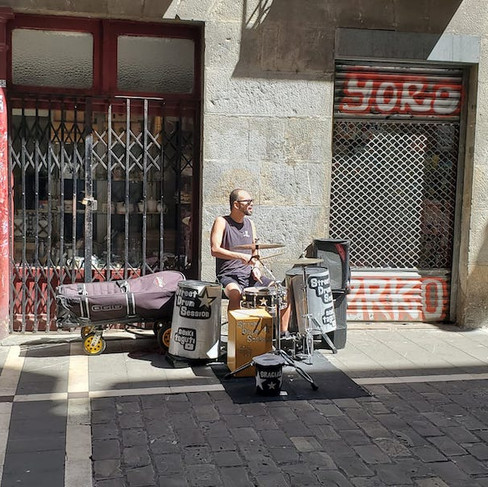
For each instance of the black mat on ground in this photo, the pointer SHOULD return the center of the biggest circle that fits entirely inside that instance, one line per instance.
(332, 383)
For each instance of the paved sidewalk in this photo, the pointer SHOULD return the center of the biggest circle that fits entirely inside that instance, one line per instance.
(126, 418)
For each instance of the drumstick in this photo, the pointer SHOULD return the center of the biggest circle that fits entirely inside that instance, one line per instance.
(258, 278)
(258, 258)
(269, 256)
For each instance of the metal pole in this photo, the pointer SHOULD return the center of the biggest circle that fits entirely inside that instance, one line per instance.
(4, 218)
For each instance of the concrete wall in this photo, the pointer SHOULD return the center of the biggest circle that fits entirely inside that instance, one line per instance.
(267, 109)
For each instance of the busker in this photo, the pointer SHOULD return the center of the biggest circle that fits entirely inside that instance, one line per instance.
(237, 270)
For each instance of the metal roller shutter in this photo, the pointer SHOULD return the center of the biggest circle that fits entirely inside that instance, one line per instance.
(394, 181)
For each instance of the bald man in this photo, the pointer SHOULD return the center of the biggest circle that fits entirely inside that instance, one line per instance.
(236, 270)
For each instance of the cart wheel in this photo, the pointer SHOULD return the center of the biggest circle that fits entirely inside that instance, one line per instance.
(157, 326)
(94, 344)
(86, 330)
(164, 335)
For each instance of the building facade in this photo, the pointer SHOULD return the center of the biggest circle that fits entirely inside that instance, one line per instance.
(127, 124)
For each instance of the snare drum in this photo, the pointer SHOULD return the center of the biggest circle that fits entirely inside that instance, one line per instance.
(258, 297)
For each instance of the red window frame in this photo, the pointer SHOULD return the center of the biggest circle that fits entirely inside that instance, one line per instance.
(105, 33)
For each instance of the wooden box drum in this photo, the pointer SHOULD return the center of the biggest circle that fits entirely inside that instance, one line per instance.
(250, 334)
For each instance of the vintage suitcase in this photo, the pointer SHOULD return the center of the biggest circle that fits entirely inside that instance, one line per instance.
(146, 298)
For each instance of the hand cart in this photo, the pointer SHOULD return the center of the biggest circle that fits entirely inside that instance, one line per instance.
(96, 306)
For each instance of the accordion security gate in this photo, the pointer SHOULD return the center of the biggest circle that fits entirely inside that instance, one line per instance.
(393, 193)
(102, 190)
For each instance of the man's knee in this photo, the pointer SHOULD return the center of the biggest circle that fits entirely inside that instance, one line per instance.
(233, 292)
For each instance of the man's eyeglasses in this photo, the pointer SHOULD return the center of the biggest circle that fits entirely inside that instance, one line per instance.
(247, 202)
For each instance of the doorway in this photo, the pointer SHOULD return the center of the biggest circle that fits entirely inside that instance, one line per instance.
(102, 189)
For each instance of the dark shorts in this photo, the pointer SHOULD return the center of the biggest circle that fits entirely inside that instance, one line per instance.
(243, 281)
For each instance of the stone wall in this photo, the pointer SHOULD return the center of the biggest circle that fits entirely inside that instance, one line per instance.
(267, 110)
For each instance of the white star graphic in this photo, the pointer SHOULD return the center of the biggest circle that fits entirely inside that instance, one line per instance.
(263, 302)
(270, 384)
(260, 382)
(205, 299)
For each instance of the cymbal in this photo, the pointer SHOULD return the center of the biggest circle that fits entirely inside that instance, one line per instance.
(306, 261)
(258, 246)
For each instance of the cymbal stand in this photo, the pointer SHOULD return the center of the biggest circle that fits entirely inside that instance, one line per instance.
(308, 339)
(277, 351)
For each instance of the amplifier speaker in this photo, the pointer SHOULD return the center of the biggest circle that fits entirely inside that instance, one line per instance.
(338, 336)
(335, 254)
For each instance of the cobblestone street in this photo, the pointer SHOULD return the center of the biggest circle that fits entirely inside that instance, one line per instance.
(126, 418)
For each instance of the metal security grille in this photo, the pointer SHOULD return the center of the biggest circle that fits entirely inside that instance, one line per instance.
(102, 189)
(393, 192)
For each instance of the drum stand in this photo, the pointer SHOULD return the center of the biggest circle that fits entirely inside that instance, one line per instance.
(277, 351)
(312, 325)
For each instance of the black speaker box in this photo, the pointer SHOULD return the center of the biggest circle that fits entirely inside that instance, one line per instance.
(338, 336)
(335, 254)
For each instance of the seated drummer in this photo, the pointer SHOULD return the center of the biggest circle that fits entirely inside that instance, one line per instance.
(236, 270)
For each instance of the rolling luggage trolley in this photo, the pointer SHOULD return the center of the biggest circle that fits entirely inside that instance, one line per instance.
(96, 306)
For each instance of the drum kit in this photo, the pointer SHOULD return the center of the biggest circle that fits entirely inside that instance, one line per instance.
(304, 285)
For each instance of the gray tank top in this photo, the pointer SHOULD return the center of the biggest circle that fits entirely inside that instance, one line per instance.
(235, 234)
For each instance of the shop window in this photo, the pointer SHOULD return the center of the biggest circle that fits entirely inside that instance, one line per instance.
(104, 153)
(50, 58)
(103, 57)
(157, 65)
